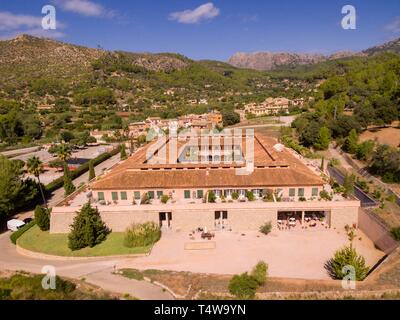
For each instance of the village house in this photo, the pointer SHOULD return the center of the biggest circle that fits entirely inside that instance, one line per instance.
(271, 106)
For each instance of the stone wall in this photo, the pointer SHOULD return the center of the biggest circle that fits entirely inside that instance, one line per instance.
(377, 232)
(241, 216)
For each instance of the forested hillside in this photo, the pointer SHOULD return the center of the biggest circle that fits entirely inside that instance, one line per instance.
(48, 86)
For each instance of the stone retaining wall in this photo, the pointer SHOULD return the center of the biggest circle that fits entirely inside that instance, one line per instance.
(241, 216)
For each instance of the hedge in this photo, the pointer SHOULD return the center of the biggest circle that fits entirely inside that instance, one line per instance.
(15, 235)
(58, 183)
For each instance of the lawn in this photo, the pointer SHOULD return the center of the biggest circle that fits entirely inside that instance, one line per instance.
(57, 244)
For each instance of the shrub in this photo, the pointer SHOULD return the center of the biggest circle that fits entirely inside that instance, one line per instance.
(250, 196)
(88, 229)
(164, 199)
(17, 234)
(42, 218)
(142, 235)
(347, 256)
(260, 273)
(268, 197)
(145, 199)
(266, 228)
(235, 195)
(392, 198)
(325, 195)
(243, 286)
(211, 197)
(396, 233)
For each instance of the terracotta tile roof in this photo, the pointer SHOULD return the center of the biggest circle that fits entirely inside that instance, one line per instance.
(271, 169)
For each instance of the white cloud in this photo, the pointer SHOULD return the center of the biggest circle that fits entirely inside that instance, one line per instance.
(394, 26)
(84, 7)
(12, 25)
(10, 21)
(204, 12)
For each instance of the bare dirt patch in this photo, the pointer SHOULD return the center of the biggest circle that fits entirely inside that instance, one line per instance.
(389, 136)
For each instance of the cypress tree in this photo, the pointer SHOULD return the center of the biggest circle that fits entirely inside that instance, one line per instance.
(123, 152)
(68, 185)
(42, 218)
(92, 173)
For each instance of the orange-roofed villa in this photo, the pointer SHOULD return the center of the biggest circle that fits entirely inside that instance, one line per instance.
(237, 183)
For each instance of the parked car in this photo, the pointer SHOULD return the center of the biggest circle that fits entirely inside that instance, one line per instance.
(15, 224)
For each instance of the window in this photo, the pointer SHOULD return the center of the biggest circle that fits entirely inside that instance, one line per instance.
(187, 194)
(137, 195)
(315, 192)
(200, 194)
(292, 192)
(114, 196)
(301, 192)
(100, 196)
(151, 194)
(124, 195)
(159, 194)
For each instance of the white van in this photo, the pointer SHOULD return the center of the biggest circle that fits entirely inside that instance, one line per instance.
(15, 224)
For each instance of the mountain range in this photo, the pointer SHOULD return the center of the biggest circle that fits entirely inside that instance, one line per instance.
(267, 60)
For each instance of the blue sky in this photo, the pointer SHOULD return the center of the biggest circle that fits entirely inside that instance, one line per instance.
(207, 29)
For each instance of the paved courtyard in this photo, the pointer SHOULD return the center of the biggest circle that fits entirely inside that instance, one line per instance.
(290, 254)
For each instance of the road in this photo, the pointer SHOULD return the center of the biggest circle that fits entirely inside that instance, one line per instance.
(366, 200)
(98, 272)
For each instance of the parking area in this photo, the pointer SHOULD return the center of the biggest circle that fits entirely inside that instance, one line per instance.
(299, 254)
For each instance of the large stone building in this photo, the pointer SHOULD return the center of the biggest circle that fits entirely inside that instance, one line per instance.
(238, 183)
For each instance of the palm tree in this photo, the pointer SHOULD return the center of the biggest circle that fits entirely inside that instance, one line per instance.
(35, 167)
(64, 153)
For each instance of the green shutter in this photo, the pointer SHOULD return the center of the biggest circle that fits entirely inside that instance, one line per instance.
(200, 194)
(301, 192)
(151, 195)
(159, 194)
(114, 196)
(100, 196)
(315, 192)
(124, 195)
(292, 192)
(137, 195)
(187, 194)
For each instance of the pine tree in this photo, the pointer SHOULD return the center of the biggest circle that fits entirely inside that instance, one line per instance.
(351, 142)
(123, 152)
(88, 229)
(92, 173)
(68, 185)
(42, 218)
(347, 257)
(324, 139)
